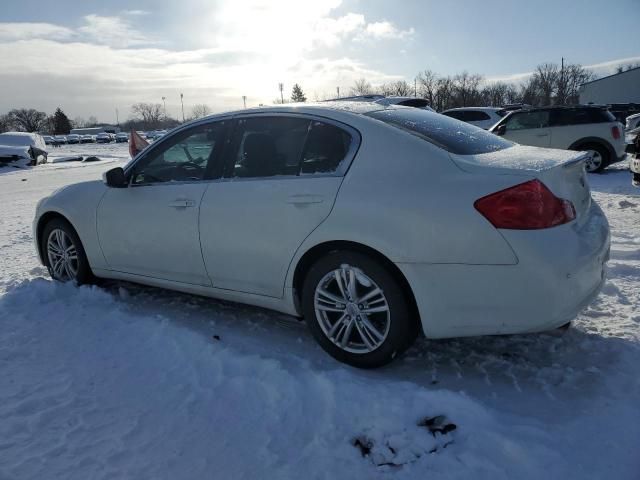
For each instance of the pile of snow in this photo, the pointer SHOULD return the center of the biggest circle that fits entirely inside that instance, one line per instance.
(122, 381)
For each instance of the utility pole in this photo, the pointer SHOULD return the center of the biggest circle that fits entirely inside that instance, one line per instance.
(338, 90)
(281, 87)
(117, 118)
(165, 106)
(182, 103)
(415, 87)
(244, 100)
(563, 99)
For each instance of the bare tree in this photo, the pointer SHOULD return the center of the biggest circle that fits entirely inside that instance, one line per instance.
(400, 88)
(466, 88)
(79, 122)
(546, 77)
(569, 82)
(150, 113)
(428, 86)
(200, 110)
(361, 87)
(27, 119)
(495, 94)
(5, 123)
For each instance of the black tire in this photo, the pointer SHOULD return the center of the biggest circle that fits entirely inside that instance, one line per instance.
(84, 274)
(402, 328)
(602, 151)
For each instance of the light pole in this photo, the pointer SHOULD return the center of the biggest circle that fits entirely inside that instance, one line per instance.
(244, 100)
(182, 103)
(281, 87)
(338, 90)
(165, 106)
(117, 118)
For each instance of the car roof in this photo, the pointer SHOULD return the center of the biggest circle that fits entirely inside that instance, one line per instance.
(329, 107)
(483, 109)
(564, 107)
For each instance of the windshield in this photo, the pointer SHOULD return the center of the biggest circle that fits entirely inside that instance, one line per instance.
(447, 133)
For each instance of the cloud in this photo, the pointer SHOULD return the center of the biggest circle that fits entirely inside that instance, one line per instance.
(236, 47)
(386, 29)
(23, 31)
(112, 31)
(135, 12)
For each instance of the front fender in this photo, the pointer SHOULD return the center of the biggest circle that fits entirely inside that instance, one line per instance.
(76, 203)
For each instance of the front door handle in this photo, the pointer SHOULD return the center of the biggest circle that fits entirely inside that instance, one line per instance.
(304, 198)
(542, 135)
(182, 203)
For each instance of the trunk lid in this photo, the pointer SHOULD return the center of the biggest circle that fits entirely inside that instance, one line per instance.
(562, 171)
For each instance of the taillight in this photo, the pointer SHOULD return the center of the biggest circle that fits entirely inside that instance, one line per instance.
(615, 131)
(528, 206)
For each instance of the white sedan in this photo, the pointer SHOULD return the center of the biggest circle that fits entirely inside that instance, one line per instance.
(372, 222)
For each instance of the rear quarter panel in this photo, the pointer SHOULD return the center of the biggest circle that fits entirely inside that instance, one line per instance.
(405, 198)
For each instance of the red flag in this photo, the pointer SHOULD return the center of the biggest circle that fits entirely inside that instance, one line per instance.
(136, 143)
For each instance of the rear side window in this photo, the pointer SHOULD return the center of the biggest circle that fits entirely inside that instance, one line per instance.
(326, 146)
(269, 146)
(414, 102)
(457, 114)
(563, 117)
(527, 120)
(447, 133)
(468, 115)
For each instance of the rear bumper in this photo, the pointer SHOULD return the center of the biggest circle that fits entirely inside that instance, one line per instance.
(560, 271)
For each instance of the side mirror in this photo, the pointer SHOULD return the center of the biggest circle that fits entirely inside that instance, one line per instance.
(115, 178)
(500, 129)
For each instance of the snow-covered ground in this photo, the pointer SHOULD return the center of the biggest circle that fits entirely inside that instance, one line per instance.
(125, 381)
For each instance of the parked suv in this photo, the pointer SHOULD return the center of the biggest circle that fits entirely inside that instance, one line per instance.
(483, 117)
(583, 128)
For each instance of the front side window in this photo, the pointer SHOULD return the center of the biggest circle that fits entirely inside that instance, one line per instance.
(185, 156)
(527, 120)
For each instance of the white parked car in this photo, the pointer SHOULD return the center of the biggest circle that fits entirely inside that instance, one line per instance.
(373, 223)
(23, 146)
(483, 117)
(583, 128)
(632, 122)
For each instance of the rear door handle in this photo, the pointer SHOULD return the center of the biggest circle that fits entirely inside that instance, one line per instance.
(182, 203)
(304, 198)
(542, 135)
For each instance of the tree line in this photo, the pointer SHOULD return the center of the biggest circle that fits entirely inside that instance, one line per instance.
(549, 84)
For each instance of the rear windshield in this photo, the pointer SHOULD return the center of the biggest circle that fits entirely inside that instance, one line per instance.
(447, 133)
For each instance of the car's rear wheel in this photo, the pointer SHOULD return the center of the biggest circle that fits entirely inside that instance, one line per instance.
(599, 157)
(64, 254)
(356, 310)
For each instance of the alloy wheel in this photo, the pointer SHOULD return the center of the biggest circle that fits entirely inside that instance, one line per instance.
(594, 162)
(352, 310)
(62, 255)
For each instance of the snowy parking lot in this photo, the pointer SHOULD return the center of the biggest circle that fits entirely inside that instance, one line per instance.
(125, 381)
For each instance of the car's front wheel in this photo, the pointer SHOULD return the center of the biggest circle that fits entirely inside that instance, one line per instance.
(357, 310)
(64, 254)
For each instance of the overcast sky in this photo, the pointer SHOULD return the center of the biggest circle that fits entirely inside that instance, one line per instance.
(93, 57)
